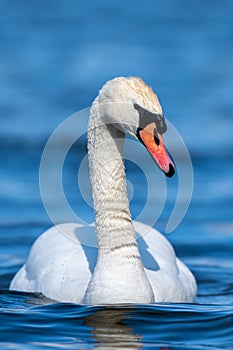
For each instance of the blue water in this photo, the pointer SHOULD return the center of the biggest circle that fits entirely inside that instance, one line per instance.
(54, 57)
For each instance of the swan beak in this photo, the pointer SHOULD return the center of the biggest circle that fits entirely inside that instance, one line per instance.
(154, 143)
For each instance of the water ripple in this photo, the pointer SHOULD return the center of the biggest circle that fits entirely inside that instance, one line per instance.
(37, 320)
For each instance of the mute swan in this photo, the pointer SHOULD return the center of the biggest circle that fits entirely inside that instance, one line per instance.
(120, 272)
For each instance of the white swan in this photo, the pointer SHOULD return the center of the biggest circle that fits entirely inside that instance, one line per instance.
(124, 270)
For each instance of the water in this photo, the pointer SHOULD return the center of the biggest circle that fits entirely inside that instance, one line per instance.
(159, 326)
(54, 57)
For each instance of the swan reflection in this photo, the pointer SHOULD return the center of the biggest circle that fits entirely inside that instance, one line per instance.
(109, 329)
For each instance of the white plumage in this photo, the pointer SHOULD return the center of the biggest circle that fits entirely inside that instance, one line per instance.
(123, 269)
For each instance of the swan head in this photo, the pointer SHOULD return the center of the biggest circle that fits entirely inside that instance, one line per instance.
(132, 106)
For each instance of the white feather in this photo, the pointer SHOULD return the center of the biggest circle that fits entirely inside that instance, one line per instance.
(122, 270)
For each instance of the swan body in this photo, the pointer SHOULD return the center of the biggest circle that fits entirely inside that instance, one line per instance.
(60, 267)
(122, 269)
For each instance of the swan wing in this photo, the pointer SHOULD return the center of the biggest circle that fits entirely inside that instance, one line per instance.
(170, 278)
(58, 266)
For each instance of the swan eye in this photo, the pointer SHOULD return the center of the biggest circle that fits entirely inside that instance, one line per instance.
(146, 118)
(160, 123)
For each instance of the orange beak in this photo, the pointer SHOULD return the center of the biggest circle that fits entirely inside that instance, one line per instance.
(153, 141)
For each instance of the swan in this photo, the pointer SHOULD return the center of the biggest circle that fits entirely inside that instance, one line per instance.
(122, 269)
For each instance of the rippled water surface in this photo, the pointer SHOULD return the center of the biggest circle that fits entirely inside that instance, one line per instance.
(54, 57)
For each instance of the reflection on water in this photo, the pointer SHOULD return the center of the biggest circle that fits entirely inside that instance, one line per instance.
(109, 330)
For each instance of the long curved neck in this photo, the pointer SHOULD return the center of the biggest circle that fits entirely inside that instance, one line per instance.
(119, 275)
(105, 149)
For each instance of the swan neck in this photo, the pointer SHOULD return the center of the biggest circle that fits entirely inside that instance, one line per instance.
(118, 255)
(105, 149)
